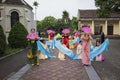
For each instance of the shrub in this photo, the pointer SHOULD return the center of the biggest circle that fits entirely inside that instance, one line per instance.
(17, 36)
(2, 41)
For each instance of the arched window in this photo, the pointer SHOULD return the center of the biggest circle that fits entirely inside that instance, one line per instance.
(14, 18)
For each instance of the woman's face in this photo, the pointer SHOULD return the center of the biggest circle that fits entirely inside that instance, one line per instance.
(32, 30)
(98, 43)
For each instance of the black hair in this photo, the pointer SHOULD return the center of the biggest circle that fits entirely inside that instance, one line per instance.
(32, 29)
(42, 40)
(97, 40)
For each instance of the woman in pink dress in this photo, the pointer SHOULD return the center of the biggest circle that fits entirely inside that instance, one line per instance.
(86, 49)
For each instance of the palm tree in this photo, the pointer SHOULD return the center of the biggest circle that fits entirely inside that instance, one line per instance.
(35, 3)
(65, 16)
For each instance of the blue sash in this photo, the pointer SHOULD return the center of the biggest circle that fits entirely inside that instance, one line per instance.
(43, 50)
(100, 49)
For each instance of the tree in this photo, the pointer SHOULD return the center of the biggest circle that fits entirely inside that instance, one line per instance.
(74, 23)
(105, 7)
(17, 36)
(66, 20)
(39, 25)
(35, 3)
(2, 41)
(48, 22)
(65, 17)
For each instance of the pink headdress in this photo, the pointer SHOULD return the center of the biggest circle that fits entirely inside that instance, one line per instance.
(86, 29)
(66, 30)
(50, 31)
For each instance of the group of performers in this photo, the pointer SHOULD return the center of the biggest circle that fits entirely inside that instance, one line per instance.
(82, 45)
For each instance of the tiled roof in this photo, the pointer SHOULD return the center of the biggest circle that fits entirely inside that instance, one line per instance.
(93, 14)
(18, 2)
(15, 2)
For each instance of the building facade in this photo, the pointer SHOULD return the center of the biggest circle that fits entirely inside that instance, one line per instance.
(110, 26)
(12, 11)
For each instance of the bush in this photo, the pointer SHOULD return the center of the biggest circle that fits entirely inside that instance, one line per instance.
(17, 36)
(2, 41)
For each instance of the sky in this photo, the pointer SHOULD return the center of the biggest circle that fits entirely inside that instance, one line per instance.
(56, 7)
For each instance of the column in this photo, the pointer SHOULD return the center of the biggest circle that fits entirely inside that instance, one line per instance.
(93, 26)
(79, 25)
(106, 25)
(119, 27)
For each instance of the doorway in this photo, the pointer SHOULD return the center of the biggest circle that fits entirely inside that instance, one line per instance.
(110, 29)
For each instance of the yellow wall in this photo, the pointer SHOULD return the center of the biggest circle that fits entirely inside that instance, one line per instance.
(116, 28)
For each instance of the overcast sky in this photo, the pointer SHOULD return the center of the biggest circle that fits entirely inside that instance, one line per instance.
(56, 7)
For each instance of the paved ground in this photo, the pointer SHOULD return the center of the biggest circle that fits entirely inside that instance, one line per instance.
(13, 63)
(54, 69)
(110, 69)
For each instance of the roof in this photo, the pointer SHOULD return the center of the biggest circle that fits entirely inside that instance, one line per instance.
(15, 2)
(93, 14)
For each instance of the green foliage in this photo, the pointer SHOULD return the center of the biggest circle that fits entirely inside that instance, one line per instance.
(35, 3)
(74, 23)
(39, 26)
(49, 22)
(17, 36)
(105, 7)
(2, 41)
(10, 50)
(57, 25)
(65, 14)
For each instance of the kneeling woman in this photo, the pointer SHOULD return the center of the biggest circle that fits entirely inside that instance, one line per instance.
(33, 53)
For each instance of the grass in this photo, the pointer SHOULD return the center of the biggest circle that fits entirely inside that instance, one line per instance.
(9, 50)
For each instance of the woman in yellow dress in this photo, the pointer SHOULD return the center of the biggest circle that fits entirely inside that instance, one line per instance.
(43, 56)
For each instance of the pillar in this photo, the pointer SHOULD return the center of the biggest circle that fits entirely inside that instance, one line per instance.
(106, 25)
(119, 27)
(92, 27)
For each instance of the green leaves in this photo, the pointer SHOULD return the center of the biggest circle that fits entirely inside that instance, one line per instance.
(35, 3)
(57, 25)
(105, 7)
(2, 41)
(17, 36)
(49, 22)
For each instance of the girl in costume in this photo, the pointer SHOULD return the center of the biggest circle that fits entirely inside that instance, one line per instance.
(51, 34)
(66, 39)
(77, 35)
(100, 57)
(33, 53)
(79, 50)
(43, 56)
(61, 55)
(86, 49)
(70, 40)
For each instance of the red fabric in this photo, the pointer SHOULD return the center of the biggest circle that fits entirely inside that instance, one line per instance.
(66, 40)
(51, 36)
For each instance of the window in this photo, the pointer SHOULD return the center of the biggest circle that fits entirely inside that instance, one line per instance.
(98, 29)
(14, 18)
